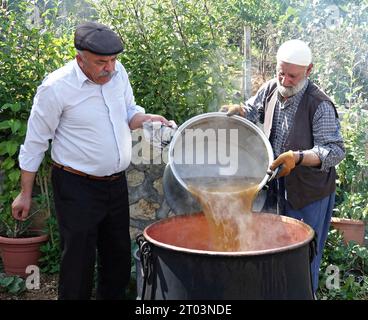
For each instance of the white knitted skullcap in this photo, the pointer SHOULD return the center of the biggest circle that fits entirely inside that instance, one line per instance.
(296, 52)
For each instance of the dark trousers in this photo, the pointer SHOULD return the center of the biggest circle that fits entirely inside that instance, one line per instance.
(93, 217)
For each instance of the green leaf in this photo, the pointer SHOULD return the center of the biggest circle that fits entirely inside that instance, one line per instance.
(11, 147)
(14, 175)
(6, 281)
(6, 106)
(17, 286)
(4, 125)
(3, 148)
(8, 163)
(15, 107)
(356, 89)
(14, 125)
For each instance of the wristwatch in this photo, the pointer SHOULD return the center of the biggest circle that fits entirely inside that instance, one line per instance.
(301, 156)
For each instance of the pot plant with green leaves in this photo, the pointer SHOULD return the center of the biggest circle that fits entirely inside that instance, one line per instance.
(20, 247)
(27, 54)
(351, 212)
(20, 241)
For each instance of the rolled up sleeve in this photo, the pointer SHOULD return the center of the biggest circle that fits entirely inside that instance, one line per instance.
(328, 142)
(42, 123)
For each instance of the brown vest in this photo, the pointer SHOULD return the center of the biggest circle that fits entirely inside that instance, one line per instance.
(304, 185)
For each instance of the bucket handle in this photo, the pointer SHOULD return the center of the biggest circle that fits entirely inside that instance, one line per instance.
(273, 174)
(145, 257)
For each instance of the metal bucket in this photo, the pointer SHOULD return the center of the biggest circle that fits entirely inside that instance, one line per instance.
(177, 262)
(215, 146)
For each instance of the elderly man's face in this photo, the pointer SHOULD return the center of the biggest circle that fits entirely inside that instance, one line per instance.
(291, 78)
(97, 68)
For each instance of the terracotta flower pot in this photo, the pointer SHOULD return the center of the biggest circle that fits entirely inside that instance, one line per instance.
(351, 229)
(18, 253)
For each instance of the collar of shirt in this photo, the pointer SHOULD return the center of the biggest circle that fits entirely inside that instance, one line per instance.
(81, 76)
(292, 100)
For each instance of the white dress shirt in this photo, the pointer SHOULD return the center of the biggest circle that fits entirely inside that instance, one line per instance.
(88, 123)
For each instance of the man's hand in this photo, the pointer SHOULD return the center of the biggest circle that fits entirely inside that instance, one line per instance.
(22, 203)
(21, 206)
(233, 109)
(287, 160)
(138, 119)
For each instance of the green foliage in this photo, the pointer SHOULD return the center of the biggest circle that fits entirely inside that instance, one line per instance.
(15, 229)
(338, 39)
(352, 263)
(50, 259)
(177, 53)
(352, 191)
(12, 284)
(27, 54)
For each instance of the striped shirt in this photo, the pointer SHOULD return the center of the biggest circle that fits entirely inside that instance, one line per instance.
(328, 142)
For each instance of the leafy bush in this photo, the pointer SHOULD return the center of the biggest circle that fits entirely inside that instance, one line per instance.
(12, 284)
(352, 263)
(27, 54)
(352, 191)
(339, 46)
(177, 53)
(50, 259)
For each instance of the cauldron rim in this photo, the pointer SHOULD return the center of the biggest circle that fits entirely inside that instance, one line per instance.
(308, 239)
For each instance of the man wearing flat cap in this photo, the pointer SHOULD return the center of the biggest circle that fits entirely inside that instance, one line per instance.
(87, 109)
(302, 125)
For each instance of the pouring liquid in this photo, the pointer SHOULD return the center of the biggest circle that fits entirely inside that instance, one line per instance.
(227, 205)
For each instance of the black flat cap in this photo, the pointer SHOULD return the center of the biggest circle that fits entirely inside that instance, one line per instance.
(97, 38)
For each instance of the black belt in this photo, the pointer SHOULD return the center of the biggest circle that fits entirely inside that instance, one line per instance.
(88, 176)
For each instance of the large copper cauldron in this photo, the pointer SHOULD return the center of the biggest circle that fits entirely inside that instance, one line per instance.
(178, 262)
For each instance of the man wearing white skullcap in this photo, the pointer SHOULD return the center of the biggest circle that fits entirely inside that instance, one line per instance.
(302, 125)
(295, 52)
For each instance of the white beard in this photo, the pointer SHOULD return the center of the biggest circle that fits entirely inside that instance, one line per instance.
(287, 92)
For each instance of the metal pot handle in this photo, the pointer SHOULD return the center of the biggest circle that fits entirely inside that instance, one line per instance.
(272, 175)
(313, 247)
(145, 257)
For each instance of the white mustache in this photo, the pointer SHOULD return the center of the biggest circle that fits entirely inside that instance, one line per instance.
(105, 74)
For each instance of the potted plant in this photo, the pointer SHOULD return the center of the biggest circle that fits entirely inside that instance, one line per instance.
(19, 244)
(351, 213)
(20, 241)
(350, 217)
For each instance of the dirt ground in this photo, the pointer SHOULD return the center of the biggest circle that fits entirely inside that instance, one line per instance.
(47, 291)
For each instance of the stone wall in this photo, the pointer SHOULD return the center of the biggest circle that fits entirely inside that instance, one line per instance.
(146, 197)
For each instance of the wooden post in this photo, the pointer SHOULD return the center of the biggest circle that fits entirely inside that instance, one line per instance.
(247, 72)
